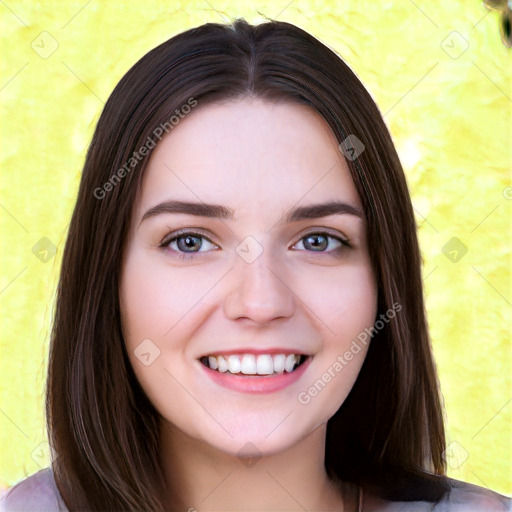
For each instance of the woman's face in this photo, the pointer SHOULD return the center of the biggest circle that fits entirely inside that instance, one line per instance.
(259, 278)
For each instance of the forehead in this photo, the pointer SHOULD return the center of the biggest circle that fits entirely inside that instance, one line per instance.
(250, 155)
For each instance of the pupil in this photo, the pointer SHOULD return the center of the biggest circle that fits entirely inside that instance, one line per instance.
(315, 240)
(189, 242)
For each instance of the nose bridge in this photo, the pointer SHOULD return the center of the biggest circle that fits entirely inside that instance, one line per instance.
(258, 290)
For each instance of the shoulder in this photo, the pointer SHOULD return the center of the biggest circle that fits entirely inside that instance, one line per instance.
(36, 492)
(464, 496)
(460, 497)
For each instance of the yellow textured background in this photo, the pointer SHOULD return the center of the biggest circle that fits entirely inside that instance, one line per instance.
(440, 75)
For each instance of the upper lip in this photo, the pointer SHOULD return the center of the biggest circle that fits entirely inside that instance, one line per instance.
(256, 351)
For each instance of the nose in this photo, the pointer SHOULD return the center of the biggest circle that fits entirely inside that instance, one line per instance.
(258, 292)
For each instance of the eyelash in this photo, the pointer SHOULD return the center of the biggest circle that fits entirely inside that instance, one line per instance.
(187, 256)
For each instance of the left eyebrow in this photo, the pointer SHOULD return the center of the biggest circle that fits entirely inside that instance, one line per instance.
(313, 211)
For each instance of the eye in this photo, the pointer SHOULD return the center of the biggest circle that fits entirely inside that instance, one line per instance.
(184, 244)
(320, 241)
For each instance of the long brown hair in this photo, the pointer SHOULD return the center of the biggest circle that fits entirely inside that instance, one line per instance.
(389, 432)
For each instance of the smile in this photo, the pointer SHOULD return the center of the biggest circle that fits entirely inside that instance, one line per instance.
(251, 364)
(255, 373)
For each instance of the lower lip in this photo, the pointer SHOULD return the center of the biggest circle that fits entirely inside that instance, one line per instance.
(256, 384)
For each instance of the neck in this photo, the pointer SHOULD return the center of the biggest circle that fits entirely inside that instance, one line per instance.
(201, 478)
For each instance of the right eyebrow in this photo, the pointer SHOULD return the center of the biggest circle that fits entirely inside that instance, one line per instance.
(189, 208)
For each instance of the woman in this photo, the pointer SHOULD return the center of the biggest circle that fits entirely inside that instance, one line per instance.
(240, 321)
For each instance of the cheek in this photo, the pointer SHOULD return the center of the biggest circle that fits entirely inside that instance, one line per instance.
(142, 302)
(154, 297)
(344, 306)
(356, 302)
(344, 302)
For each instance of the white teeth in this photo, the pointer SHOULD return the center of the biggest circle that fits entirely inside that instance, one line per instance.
(289, 363)
(234, 364)
(279, 363)
(249, 364)
(265, 365)
(223, 364)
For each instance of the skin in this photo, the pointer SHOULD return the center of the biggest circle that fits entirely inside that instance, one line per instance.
(259, 159)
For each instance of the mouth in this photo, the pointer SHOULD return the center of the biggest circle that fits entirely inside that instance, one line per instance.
(251, 365)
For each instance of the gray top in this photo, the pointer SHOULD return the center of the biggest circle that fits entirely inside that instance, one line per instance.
(39, 493)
